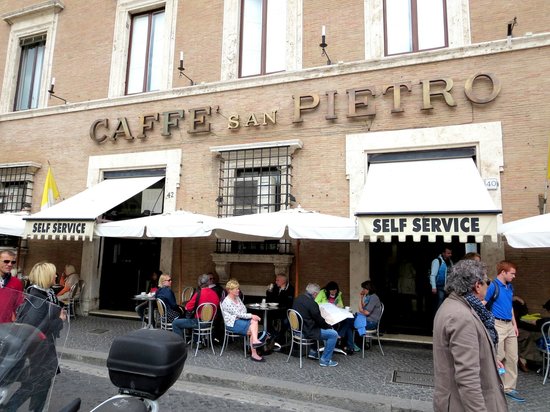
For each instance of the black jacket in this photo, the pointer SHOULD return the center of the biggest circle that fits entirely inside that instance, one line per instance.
(283, 297)
(306, 306)
(41, 312)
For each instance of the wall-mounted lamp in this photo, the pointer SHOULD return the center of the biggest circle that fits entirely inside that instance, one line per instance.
(181, 69)
(51, 92)
(511, 25)
(324, 44)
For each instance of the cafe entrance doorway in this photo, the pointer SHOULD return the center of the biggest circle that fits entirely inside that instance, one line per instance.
(126, 269)
(400, 272)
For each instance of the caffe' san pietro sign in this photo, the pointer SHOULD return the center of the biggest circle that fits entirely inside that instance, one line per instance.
(358, 103)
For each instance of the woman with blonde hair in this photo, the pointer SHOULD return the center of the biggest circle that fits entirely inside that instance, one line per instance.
(237, 320)
(41, 309)
(165, 293)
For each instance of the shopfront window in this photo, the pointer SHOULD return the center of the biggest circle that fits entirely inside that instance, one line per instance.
(146, 51)
(263, 37)
(414, 25)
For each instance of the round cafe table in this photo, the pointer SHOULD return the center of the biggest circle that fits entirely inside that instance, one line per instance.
(150, 300)
(259, 307)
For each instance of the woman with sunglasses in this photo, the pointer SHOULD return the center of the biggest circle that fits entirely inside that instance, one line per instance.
(166, 294)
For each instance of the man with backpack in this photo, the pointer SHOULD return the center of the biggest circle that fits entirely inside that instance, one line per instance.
(438, 275)
(499, 298)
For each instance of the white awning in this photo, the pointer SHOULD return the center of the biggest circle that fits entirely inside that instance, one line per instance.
(75, 217)
(444, 197)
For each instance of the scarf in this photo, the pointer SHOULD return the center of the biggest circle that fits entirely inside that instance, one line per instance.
(486, 317)
(50, 294)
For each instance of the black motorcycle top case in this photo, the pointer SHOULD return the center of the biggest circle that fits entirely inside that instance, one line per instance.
(146, 362)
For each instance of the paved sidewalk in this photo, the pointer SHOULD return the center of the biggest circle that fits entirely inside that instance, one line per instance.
(356, 384)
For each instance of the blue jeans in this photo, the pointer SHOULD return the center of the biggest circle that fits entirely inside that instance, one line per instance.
(440, 298)
(178, 325)
(346, 332)
(330, 336)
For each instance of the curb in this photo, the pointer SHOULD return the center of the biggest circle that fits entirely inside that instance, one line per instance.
(346, 400)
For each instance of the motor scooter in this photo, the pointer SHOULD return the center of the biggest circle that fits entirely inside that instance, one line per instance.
(29, 328)
(142, 364)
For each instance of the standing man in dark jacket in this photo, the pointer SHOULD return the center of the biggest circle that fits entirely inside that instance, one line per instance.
(315, 327)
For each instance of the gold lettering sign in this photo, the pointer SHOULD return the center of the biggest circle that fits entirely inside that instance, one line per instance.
(361, 103)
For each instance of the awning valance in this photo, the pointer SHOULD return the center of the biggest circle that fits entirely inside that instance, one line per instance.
(75, 217)
(444, 197)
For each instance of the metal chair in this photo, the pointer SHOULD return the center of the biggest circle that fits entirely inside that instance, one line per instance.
(296, 324)
(206, 312)
(73, 291)
(77, 299)
(374, 333)
(545, 351)
(229, 334)
(186, 294)
(163, 313)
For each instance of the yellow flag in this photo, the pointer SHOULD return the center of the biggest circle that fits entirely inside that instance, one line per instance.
(548, 163)
(50, 193)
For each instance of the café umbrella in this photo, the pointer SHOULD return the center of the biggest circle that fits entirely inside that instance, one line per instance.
(287, 224)
(175, 224)
(12, 224)
(530, 232)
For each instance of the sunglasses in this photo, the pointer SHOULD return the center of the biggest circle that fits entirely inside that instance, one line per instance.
(7, 262)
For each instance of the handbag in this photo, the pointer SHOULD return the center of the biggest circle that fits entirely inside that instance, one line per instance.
(190, 314)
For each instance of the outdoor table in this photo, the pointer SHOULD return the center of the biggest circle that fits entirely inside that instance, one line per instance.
(334, 315)
(266, 308)
(150, 300)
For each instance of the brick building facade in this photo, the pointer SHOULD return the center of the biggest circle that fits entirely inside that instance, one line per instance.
(478, 93)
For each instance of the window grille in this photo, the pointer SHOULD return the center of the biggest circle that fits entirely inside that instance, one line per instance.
(16, 185)
(254, 181)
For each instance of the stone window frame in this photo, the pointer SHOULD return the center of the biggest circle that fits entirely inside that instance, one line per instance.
(458, 28)
(26, 22)
(121, 42)
(231, 38)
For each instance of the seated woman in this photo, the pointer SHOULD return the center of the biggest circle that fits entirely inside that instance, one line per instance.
(204, 295)
(369, 312)
(69, 278)
(331, 294)
(237, 320)
(166, 294)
